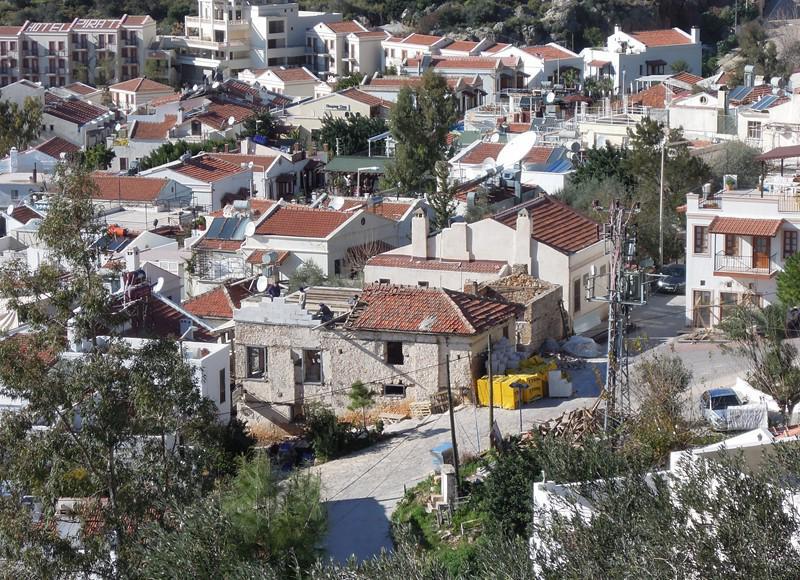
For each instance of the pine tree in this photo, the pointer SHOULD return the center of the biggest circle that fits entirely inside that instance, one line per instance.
(360, 398)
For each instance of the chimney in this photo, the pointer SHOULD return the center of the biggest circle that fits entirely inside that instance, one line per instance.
(227, 148)
(186, 329)
(471, 287)
(695, 35)
(522, 238)
(244, 147)
(419, 235)
(455, 240)
(132, 259)
(13, 160)
(722, 100)
(749, 75)
(617, 29)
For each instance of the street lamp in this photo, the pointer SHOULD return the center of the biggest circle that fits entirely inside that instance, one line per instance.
(519, 386)
(664, 145)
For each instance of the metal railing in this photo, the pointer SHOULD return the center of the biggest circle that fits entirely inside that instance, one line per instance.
(745, 264)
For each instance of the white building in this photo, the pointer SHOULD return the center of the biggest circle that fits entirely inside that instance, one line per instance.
(549, 239)
(228, 36)
(78, 122)
(736, 244)
(134, 93)
(337, 49)
(397, 50)
(546, 63)
(293, 82)
(628, 56)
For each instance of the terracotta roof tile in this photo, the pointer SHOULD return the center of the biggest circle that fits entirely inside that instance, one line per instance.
(555, 224)
(257, 207)
(465, 62)
(241, 88)
(393, 210)
(222, 300)
(55, 146)
(141, 85)
(427, 311)
(394, 82)
(480, 152)
(538, 155)
(137, 20)
(548, 52)
(403, 261)
(260, 162)
(166, 99)
(217, 114)
(114, 187)
(346, 26)
(288, 75)
(153, 131)
(257, 257)
(372, 34)
(218, 245)
(302, 222)
(10, 30)
(745, 226)
(206, 168)
(163, 318)
(667, 37)
(421, 39)
(81, 89)
(462, 45)
(687, 77)
(362, 97)
(655, 97)
(78, 112)
(24, 213)
(497, 47)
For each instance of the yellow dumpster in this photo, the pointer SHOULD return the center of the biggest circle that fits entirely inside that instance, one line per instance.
(508, 396)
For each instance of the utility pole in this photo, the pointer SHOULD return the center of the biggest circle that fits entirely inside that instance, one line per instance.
(661, 206)
(627, 287)
(452, 418)
(491, 391)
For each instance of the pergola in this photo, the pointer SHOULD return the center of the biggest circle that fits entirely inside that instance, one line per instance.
(782, 153)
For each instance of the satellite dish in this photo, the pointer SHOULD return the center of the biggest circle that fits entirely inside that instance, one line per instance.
(489, 166)
(575, 146)
(117, 127)
(269, 257)
(10, 209)
(336, 202)
(159, 285)
(516, 149)
(550, 98)
(231, 121)
(250, 229)
(262, 283)
(194, 87)
(495, 138)
(215, 85)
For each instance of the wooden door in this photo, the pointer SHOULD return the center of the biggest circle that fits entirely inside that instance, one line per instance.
(701, 300)
(761, 252)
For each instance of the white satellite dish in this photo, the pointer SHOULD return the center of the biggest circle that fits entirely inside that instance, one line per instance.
(495, 138)
(159, 285)
(262, 283)
(215, 85)
(231, 121)
(117, 127)
(489, 166)
(250, 229)
(550, 98)
(336, 202)
(269, 257)
(516, 149)
(10, 209)
(194, 87)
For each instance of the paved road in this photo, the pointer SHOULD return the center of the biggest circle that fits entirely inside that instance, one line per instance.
(362, 490)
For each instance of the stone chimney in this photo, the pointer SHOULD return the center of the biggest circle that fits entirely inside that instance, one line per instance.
(471, 287)
(419, 235)
(522, 239)
(244, 146)
(13, 160)
(695, 35)
(132, 261)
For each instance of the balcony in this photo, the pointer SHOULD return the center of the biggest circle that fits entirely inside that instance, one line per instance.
(758, 265)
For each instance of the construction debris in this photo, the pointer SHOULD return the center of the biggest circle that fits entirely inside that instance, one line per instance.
(573, 426)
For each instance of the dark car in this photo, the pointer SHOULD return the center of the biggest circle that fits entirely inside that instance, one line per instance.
(672, 279)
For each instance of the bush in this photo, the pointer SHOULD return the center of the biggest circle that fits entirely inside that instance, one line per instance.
(332, 438)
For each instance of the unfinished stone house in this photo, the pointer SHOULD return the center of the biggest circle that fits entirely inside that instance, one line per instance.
(395, 339)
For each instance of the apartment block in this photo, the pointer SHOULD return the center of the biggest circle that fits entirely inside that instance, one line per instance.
(94, 51)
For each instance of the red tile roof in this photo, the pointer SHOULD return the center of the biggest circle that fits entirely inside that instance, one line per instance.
(403, 261)
(260, 162)
(289, 75)
(497, 47)
(206, 168)
(548, 52)
(394, 82)
(78, 112)
(241, 88)
(462, 45)
(465, 62)
(55, 146)
(158, 101)
(599, 63)
(554, 223)
(421, 39)
(480, 152)
(162, 318)
(345, 27)
(362, 97)
(257, 207)
(745, 226)
(141, 85)
(221, 301)
(114, 187)
(538, 155)
(754, 95)
(81, 89)
(136, 20)
(217, 114)
(10, 30)
(302, 222)
(372, 34)
(687, 77)
(655, 97)
(257, 257)
(667, 37)
(218, 245)
(153, 131)
(426, 310)
(24, 213)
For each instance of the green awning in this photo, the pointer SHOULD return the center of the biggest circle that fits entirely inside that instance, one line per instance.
(352, 163)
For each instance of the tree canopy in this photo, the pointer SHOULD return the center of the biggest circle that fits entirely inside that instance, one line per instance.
(349, 135)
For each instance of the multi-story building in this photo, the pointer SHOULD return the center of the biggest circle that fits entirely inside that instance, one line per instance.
(228, 36)
(95, 51)
(737, 242)
(344, 48)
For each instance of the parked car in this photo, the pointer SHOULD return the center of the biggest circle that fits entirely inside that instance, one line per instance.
(672, 279)
(714, 405)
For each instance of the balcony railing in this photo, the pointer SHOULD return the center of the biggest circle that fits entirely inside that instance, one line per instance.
(745, 264)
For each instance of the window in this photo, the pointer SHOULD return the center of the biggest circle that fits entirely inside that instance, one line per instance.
(394, 390)
(276, 26)
(423, 284)
(223, 386)
(789, 243)
(576, 295)
(276, 43)
(123, 163)
(383, 280)
(700, 239)
(727, 304)
(731, 245)
(15, 194)
(256, 362)
(337, 267)
(394, 352)
(312, 366)
(754, 130)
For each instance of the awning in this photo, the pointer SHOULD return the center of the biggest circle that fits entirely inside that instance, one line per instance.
(780, 153)
(352, 163)
(599, 63)
(657, 62)
(745, 226)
